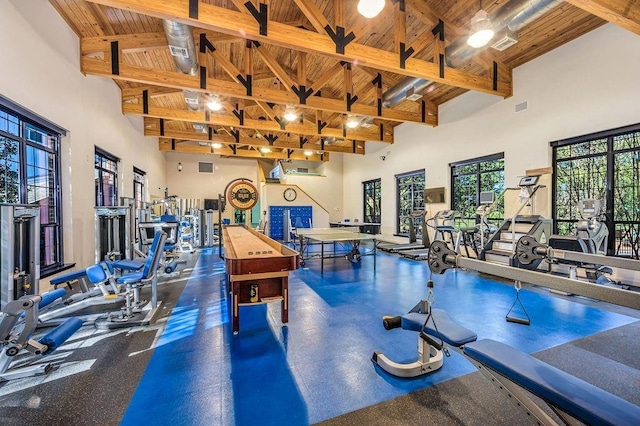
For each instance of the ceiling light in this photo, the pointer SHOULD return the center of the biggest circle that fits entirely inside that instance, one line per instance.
(216, 145)
(370, 8)
(265, 150)
(308, 153)
(290, 114)
(481, 32)
(214, 103)
(352, 122)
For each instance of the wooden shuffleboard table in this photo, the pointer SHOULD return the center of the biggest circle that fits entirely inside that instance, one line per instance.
(258, 270)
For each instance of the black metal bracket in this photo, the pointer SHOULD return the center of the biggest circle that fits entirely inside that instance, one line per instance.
(205, 44)
(439, 29)
(302, 92)
(303, 140)
(289, 152)
(321, 125)
(162, 127)
(193, 9)
(339, 38)
(173, 144)
(423, 111)
(281, 122)
(145, 101)
(271, 139)
(405, 54)
(259, 16)
(381, 131)
(351, 100)
(495, 76)
(344, 130)
(234, 149)
(239, 113)
(207, 115)
(247, 83)
(402, 4)
(115, 58)
(203, 78)
(236, 135)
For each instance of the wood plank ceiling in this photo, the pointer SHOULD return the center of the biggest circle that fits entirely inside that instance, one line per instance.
(124, 40)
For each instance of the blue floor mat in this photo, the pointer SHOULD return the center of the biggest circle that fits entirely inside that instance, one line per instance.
(318, 366)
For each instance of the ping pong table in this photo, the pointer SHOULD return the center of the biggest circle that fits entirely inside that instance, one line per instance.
(334, 236)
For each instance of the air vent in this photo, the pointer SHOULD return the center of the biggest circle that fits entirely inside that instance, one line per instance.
(507, 39)
(302, 170)
(204, 167)
(200, 127)
(178, 51)
(192, 101)
(522, 106)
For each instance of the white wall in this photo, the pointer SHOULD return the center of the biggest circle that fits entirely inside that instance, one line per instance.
(41, 71)
(326, 190)
(588, 85)
(190, 184)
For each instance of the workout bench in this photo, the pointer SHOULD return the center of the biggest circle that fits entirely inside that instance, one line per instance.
(511, 370)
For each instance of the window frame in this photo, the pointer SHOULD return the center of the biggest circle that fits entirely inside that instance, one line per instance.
(377, 184)
(99, 196)
(404, 175)
(27, 118)
(610, 184)
(478, 161)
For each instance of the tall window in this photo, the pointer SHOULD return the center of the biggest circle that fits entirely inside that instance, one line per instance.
(372, 196)
(410, 190)
(30, 174)
(471, 177)
(605, 166)
(138, 193)
(106, 178)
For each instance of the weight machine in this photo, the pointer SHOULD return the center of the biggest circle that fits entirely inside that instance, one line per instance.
(20, 248)
(113, 233)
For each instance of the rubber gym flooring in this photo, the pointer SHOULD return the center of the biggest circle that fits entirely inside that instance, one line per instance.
(189, 369)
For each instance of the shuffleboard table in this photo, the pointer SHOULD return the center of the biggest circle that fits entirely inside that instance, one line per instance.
(258, 270)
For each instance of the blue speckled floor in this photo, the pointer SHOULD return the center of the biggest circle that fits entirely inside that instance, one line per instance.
(318, 366)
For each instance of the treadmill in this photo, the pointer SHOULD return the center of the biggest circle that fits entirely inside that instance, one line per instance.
(413, 244)
(443, 222)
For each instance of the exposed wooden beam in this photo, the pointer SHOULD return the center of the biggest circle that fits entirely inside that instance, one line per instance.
(227, 21)
(262, 125)
(126, 42)
(103, 67)
(624, 13)
(275, 67)
(152, 92)
(314, 15)
(282, 142)
(167, 145)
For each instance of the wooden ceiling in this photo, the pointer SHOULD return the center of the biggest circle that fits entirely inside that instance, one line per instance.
(295, 52)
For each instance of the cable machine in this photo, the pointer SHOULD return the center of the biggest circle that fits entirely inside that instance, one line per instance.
(20, 248)
(113, 233)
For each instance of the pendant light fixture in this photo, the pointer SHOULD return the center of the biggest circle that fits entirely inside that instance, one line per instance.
(290, 113)
(214, 103)
(352, 122)
(481, 31)
(370, 8)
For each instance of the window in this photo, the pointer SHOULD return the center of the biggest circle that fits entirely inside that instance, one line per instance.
(138, 192)
(30, 174)
(106, 178)
(410, 190)
(372, 196)
(471, 177)
(605, 166)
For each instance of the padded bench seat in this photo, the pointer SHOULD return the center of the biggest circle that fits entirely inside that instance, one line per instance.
(127, 265)
(578, 398)
(71, 276)
(449, 331)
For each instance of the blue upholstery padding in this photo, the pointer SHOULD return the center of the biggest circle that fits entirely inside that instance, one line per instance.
(449, 331)
(129, 265)
(187, 237)
(68, 277)
(60, 334)
(96, 274)
(130, 278)
(184, 223)
(168, 218)
(585, 402)
(169, 246)
(51, 296)
(153, 250)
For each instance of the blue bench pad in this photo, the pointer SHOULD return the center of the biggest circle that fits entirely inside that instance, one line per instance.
(130, 278)
(580, 399)
(129, 265)
(449, 331)
(69, 277)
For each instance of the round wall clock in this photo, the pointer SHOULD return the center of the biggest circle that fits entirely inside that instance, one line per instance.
(290, 194)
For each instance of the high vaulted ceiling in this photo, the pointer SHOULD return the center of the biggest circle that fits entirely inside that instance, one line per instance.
(320, 57)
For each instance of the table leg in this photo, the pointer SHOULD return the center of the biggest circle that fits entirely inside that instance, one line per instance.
(235, 308)
(375, 256)
(285, 300)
